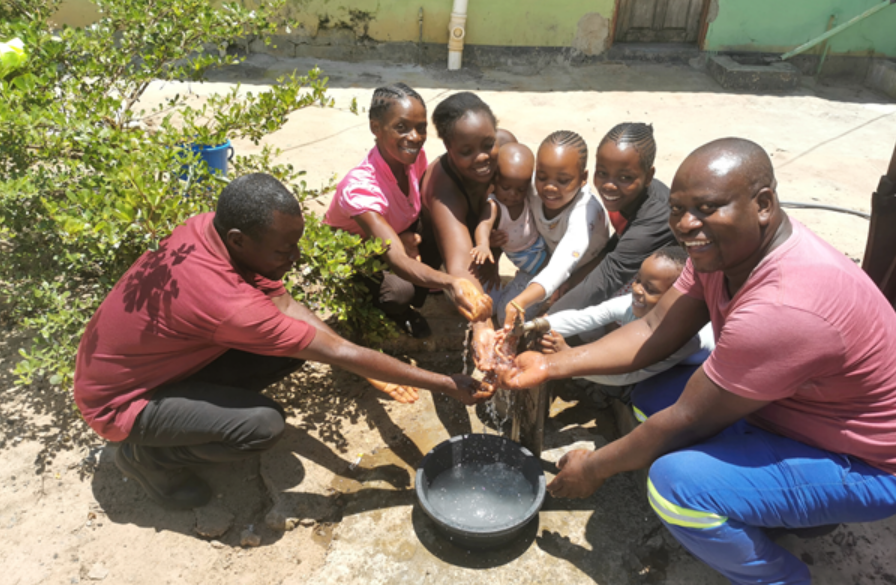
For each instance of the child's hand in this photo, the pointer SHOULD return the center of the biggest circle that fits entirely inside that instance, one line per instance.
(497, 238)
(482, 253)
(552, 342)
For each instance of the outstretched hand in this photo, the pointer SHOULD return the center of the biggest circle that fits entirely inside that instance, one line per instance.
(472, 304)
(578, 477)
(513, 312)
(482, 254)
(552, 342)
(399, 393)
(469, 390)
(528, 370)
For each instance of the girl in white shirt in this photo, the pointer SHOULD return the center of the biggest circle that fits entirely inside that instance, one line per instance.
(571, 220)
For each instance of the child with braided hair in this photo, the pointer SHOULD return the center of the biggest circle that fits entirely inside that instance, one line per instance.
(568, 217)
(638, 208)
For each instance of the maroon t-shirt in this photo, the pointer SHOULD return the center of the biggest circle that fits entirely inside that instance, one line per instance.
(174, 311)
(810, 332)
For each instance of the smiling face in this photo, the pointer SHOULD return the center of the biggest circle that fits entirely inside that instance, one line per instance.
(401, 133)
(558, 177)
(719, 215)
(619, 176)
(656, 276)
(274, 252)
(473, 148)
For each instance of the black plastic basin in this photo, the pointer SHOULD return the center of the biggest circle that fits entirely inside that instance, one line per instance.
(482, 469)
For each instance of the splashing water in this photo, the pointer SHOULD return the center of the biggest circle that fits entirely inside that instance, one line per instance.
(479, 495)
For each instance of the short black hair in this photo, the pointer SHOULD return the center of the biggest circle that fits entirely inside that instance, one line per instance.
(639, 135)
(248, 204)
(673, 253)
(455, 107)
(385, 97)
(572, 140)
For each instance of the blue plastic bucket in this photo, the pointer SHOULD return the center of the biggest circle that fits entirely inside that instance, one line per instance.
(215, 157)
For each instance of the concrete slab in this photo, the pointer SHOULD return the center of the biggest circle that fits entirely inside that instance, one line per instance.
(752, 76)
(882, 77)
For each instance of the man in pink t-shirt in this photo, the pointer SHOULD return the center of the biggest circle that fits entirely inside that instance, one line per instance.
(791, 421)
(173, 362)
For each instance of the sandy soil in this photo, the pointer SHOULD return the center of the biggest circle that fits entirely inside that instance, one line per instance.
(67, 515)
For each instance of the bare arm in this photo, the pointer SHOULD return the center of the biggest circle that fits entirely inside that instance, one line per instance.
(291, 308)
(675, 319)
(328, 347)
(487, 220)
(376, 226)
(703, 410)
(448, 209)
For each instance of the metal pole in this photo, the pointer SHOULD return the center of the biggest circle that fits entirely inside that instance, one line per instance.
(837, 29)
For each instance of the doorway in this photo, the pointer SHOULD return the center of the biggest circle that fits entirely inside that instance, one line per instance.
(658, 21)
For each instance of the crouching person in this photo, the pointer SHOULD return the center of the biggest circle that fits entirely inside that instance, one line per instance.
(173, 363)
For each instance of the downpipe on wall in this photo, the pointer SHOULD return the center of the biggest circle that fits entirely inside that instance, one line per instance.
(456, 33)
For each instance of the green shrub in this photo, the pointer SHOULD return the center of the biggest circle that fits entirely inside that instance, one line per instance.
(86, 186)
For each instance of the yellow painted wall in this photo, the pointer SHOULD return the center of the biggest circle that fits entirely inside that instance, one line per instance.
(489, 22)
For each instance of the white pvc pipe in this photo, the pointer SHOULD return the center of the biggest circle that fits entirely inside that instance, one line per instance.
(456, 33)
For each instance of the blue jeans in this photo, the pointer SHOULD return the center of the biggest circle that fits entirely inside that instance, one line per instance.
(716, 496)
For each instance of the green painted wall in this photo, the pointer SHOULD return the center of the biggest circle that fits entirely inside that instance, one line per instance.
(777, 26)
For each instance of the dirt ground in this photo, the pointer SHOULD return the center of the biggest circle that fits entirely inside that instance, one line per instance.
(67, 515)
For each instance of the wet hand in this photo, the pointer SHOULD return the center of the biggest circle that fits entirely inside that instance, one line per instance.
(528, 370)
(399, 393)
(513, 312)
(552, 342)
(578, 477)
(472, 304)
(469, 390)
(483, 346)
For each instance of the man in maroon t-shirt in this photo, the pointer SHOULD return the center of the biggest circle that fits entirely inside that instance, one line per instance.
(791, 422)
(173, 362)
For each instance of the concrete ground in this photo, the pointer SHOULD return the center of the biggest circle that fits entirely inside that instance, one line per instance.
(830, 143)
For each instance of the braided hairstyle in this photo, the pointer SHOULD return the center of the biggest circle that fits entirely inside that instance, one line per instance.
(673, 253)
(455, 107)
(384, 97)
(572, 140)
(639, 135)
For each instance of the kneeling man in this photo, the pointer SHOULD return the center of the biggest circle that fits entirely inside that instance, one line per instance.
(791, 421)
(173, 362)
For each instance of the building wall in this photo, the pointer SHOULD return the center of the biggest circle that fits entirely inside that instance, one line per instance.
(584, 24)
(774, 26)
(777, 26)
